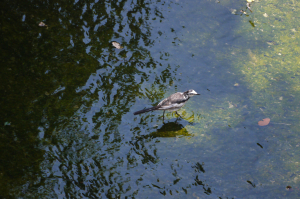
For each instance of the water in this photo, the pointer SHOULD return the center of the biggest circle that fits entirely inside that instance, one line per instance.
(68, 129)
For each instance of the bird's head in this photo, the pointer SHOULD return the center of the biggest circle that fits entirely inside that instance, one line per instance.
(191, 93)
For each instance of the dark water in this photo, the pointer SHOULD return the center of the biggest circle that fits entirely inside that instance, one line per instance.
(68, 97)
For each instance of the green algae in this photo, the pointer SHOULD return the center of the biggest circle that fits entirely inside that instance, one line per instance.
(270, 69)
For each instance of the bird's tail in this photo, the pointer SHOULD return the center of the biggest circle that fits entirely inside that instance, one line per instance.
(145, 110)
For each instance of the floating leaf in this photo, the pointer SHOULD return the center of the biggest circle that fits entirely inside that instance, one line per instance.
(264, 122)
(42, 24)
(117, 45)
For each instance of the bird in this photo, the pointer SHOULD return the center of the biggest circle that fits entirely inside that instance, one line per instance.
(172, 103)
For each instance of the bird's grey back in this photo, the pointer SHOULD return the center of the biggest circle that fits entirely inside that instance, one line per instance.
(175, 98)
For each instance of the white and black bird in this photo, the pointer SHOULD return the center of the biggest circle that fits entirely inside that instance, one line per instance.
(171, 103)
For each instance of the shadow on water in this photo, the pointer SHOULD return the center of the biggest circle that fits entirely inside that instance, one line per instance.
(167, 130)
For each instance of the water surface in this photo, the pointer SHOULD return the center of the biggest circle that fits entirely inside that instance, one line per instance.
(68, 98)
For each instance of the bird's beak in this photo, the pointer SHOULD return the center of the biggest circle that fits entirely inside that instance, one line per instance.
(197, 94)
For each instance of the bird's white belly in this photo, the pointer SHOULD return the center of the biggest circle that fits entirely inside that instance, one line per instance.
(173, 107)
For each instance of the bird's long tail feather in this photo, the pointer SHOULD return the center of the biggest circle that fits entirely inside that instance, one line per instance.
(145, 110)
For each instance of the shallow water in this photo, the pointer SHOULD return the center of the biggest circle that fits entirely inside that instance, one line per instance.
(68, 129)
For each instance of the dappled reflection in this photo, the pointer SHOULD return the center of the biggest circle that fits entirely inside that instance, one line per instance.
(68, 95)
(67, 89)
(199, 168)
(206, 189)
(182, 183)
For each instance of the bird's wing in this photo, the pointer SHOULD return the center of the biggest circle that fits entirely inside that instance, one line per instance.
(175, 98)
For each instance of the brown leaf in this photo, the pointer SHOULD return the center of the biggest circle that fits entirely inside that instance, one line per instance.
(264, 122)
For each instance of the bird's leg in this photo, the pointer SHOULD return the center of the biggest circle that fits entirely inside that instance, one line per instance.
(178, 114)
(164, 116)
